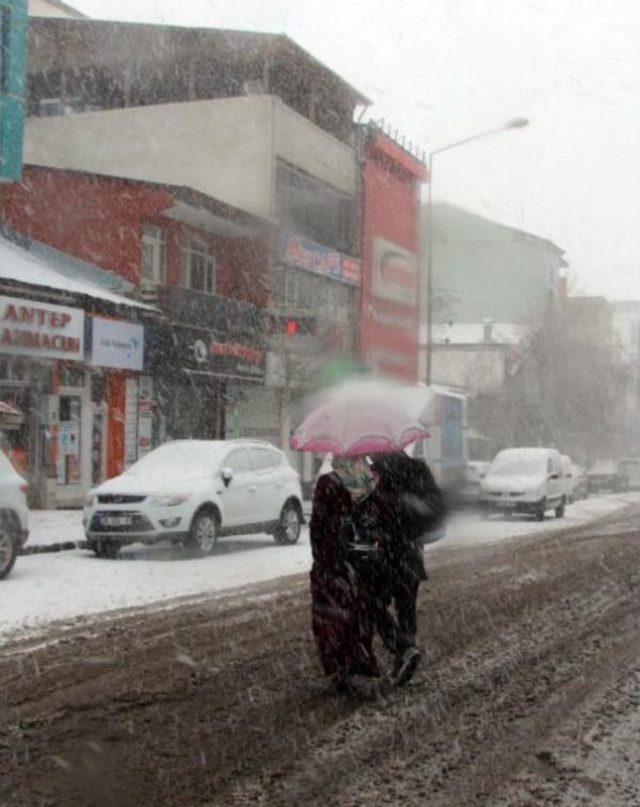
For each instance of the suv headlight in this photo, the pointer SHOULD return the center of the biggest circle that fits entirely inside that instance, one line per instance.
(168, 499)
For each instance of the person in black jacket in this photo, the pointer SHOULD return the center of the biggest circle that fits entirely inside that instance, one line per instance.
(411, 504)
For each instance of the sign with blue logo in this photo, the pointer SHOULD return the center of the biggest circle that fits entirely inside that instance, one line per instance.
(117, 344)
(313, 257)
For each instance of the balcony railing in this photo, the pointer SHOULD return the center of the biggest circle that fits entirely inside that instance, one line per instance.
(227, 317)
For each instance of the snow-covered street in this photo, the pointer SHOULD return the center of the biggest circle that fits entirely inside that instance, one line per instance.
(74, 584)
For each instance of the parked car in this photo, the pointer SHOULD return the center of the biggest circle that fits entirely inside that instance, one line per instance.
(14, 515)
(604, 476)
(475, 472)
(568, 478)
(629, 468)
(524, 480)
(193, 491)
(581, 488)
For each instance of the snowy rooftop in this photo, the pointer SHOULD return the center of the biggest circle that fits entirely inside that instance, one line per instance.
(49, 269)
(472, 333)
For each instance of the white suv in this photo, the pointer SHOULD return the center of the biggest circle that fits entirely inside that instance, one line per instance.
(193, 491)
(14, 515)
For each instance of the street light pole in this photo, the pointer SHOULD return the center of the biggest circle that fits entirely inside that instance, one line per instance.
(516, 123)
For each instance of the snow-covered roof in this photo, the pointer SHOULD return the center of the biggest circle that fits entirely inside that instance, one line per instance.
(30, 266)
(472, 333)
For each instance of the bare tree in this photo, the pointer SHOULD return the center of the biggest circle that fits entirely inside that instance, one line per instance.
(564, 388)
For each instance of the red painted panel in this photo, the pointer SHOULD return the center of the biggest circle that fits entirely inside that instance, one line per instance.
(391, 288)
(116, 407)
(97, 219)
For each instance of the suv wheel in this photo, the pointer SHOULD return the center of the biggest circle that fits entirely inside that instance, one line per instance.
(542, 507)
(289, 524)
(105, 549)
(560, 509)
(203, 534)
(8, 551)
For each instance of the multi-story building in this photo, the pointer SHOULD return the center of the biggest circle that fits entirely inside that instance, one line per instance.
(491, 285)
(69, 333)
(201, 263)
(246, 120)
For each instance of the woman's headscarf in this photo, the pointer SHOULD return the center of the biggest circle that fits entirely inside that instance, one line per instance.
(355, 474)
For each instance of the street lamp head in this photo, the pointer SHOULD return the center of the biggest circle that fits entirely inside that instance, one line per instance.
(517, 123)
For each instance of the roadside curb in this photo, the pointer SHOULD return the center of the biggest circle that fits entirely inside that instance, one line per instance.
(62, 546)
(68, 546)
(553, 532)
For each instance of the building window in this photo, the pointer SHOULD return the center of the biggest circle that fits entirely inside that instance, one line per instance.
(154, 254)
(198, 266)
(315, 210)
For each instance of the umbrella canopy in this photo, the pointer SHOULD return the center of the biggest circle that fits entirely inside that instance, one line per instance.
(361, 417)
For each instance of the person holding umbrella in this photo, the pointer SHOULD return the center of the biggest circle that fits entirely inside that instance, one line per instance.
(341, 613)
(352, 584)
(410, 505)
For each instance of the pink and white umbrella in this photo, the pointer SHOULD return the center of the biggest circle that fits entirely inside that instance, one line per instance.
(363, 417)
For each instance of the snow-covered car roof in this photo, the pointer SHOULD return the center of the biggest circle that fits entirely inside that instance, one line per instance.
(183, 455)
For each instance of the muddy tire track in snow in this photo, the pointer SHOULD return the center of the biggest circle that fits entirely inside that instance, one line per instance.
(221, 702)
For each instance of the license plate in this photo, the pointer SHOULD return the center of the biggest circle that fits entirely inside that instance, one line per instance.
(116, 521)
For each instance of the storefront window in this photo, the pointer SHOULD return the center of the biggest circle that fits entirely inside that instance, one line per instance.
(154, 253)
(69, 471)
(71, 376)
(198, 266)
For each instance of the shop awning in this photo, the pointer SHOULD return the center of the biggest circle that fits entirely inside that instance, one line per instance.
(10, 417)
(37, 265)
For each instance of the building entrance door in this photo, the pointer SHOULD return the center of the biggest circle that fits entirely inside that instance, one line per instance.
(73, 446)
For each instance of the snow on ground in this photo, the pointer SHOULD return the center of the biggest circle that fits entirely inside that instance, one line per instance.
(469, 529)
(75, 584)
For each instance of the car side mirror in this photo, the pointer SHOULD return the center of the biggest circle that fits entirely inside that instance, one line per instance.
(227, 476)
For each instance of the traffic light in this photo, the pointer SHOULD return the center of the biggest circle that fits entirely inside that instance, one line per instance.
(298, 326)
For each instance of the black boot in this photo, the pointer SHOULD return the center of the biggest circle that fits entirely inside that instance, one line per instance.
(405, 666)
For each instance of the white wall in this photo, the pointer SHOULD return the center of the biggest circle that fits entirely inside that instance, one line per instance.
(298, 141)
(221, 147)
(475, 368)
(224, 147)
(44, 8)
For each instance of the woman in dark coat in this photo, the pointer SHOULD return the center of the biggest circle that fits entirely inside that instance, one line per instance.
(341, 614)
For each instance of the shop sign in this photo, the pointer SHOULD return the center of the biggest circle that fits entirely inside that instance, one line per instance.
(395, 274)
(313, 257)
(202, 351)
(404, 320)
(117, 344)
(41, 330)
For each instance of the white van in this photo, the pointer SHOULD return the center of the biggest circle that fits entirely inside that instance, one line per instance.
(525, 480)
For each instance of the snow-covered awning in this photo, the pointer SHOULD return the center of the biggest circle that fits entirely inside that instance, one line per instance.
(49, 269)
